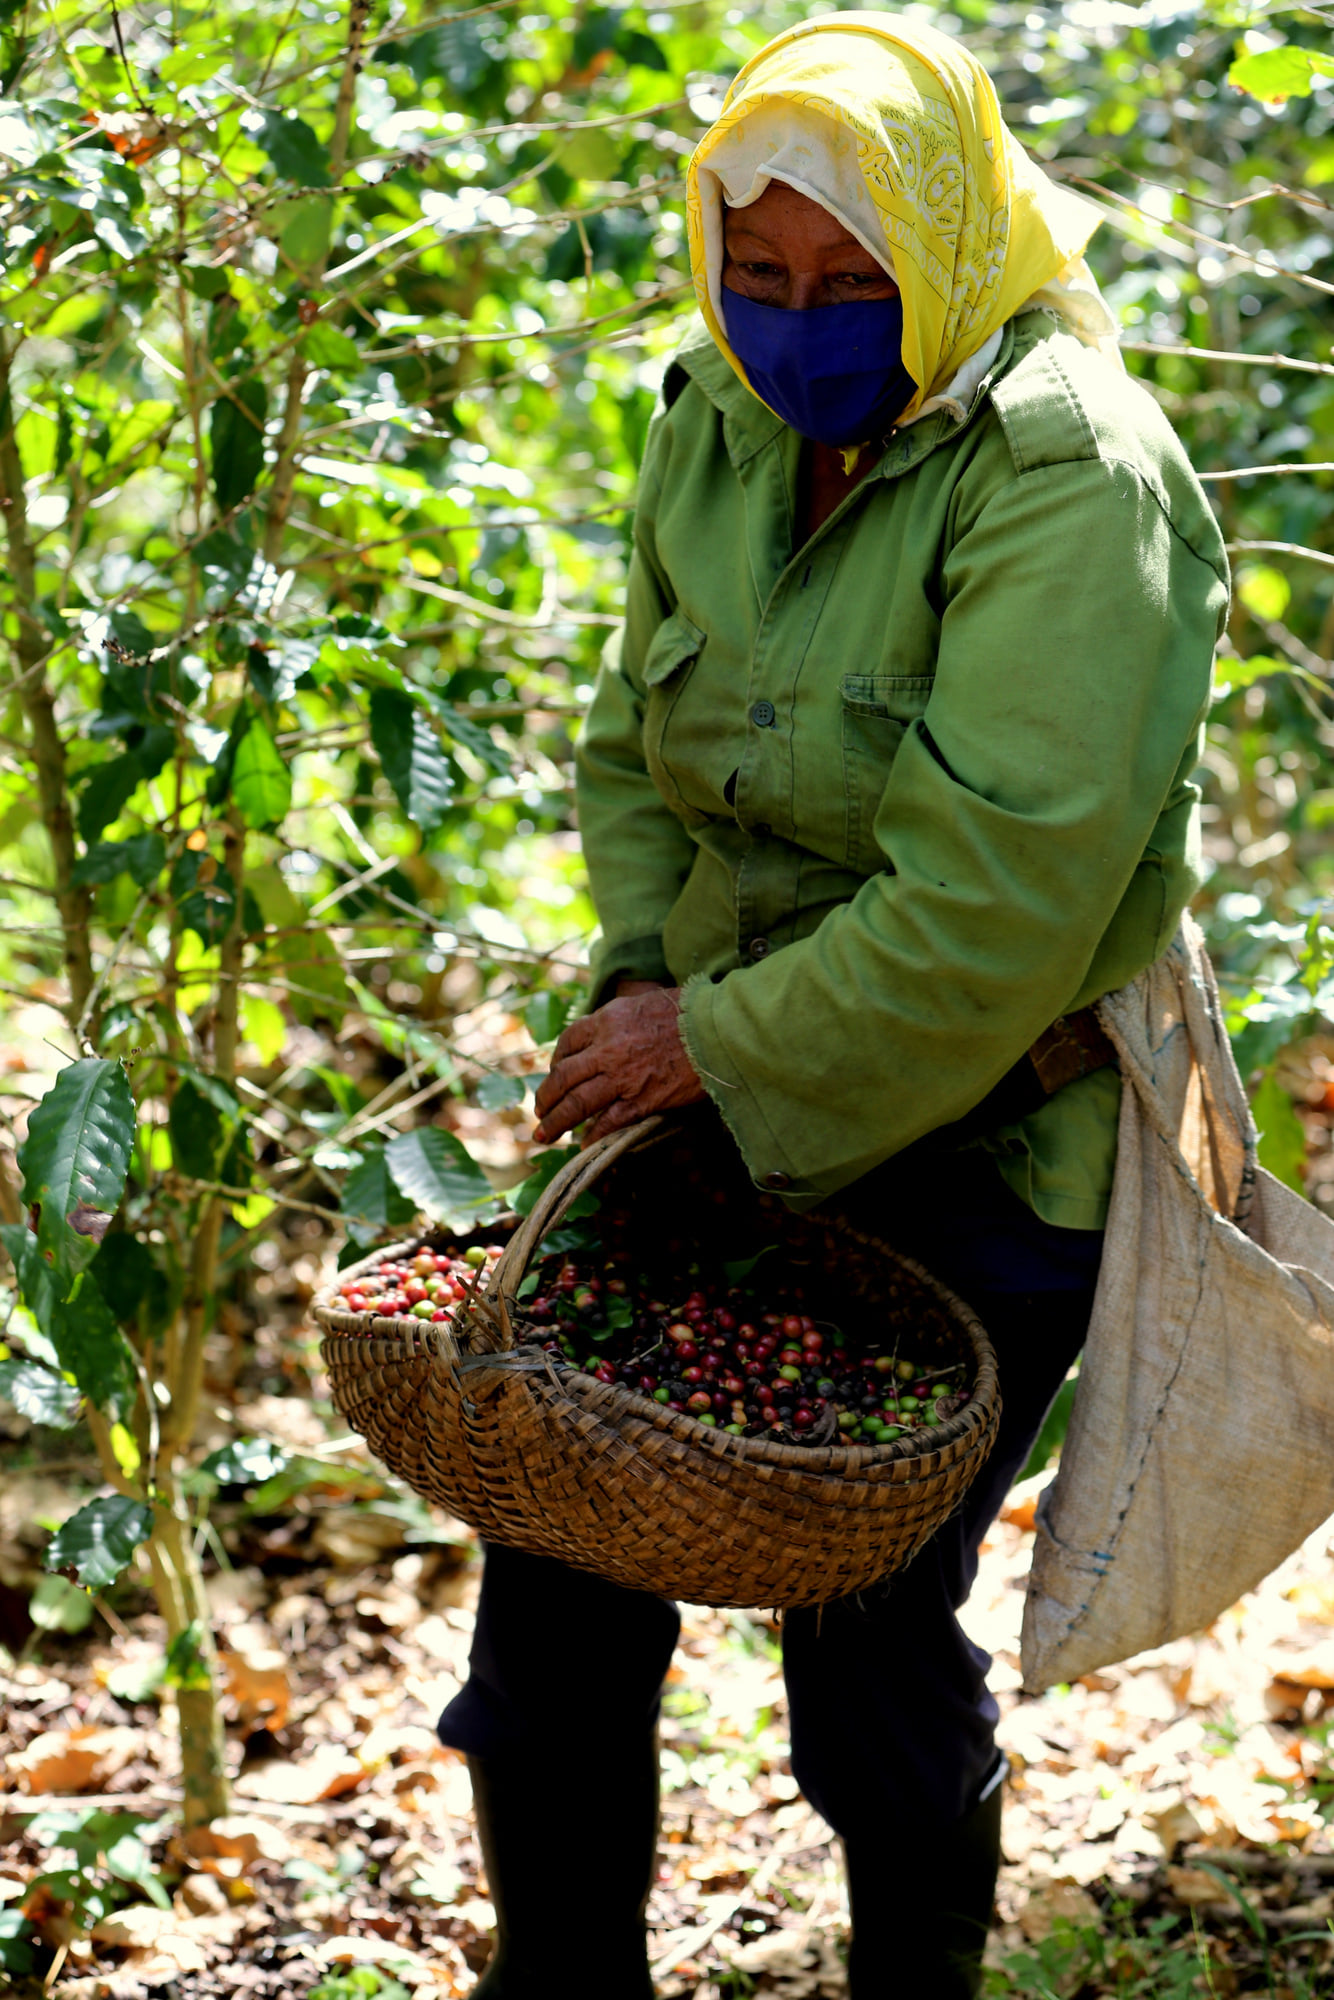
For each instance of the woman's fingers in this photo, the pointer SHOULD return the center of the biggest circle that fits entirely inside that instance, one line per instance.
(565, 1101)
(617, 1066)
(566, 1071)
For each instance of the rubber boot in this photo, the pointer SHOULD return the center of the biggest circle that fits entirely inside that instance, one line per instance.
(570, 1845)
(921, 1905)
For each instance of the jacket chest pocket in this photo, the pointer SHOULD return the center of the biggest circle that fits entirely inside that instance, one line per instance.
(668, 752)
(877, 708)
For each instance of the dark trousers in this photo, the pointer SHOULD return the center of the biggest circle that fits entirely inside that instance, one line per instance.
(890, 1711)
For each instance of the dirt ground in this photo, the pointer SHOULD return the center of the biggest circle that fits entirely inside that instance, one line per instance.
(1162, 1800)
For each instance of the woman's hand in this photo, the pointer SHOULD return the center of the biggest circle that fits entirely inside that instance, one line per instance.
(616, 1066)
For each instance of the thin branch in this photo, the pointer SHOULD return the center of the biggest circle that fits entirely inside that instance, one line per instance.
(1228, 354)
(1282, 549)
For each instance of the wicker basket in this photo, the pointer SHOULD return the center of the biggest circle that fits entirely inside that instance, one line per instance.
(549, 1460)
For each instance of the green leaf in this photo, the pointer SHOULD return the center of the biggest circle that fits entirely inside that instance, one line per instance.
(327, 346)
(199, 1133)
(264, 1024)
(496, 1092)
(261, 782)
(371, 1200)
(205, 281)
(106, 790)
(75, 1158)
(186, 1665)
(296, 153)
(1282, 1136)
(143, 858)
(209, 909)
(306, 227)
(473, 736)
(236, 441)
(246, 1462)
(132, 1283)
(39, 1394)
(545, 1015)
(57, 1605)
(1277, 74)
(411, 757)
(315, 967)
(435, 1171)
(99, 1540)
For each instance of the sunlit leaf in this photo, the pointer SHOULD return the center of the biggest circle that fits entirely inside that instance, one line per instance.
(412, 759)
(39, 1394)
(261, 782)
(434, 1171)
(100, 1539)
(76, 1155)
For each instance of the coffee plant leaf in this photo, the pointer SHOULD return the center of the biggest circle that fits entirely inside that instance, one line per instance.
(496, 1092)
(75, 1157)
(57, 1605)
(304, 243)
(246, 1462)
(199, 1132)
(411, 757)
(261, 782)
(294, 150)
(1282, 1146)
(135, 1287)
(545, 1015)
(1274, 75)
(91, 1347)
(236, 440)
(435, 1172)
(372, 1201)
(40, 1394)
(99, 1540)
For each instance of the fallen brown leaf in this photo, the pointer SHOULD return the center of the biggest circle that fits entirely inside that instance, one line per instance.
(326, 1774)
(73, 1760)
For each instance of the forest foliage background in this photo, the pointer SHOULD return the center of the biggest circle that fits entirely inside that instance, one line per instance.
(329, 337)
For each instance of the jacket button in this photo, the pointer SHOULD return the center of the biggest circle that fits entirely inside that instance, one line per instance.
(759, 947)
(777, 1182)
(762, 715)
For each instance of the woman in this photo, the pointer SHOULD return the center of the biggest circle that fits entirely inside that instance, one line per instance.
(888, 780)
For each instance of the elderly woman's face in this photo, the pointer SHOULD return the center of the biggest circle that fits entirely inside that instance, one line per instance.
(786, 250)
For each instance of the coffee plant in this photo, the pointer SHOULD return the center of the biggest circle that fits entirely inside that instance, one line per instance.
(329, 336)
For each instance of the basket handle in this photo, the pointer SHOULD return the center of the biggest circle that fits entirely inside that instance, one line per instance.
(555, 1200)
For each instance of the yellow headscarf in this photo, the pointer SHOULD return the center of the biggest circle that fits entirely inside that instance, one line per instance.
(896, 129)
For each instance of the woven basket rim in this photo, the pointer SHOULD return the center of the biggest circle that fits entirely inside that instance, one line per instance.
(438, 1341)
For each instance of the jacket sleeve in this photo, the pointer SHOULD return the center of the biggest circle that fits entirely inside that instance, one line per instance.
(636, 851)
(1075, 651)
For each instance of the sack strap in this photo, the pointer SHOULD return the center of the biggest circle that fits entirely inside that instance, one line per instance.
(1072, 1047)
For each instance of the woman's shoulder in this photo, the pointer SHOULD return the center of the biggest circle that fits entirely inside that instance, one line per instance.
(1059, 402)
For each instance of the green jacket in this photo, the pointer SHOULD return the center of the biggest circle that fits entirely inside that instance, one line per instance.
(888, 803)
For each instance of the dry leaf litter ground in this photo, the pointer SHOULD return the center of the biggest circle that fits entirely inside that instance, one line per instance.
(1143, 1790)
(1163, 1829)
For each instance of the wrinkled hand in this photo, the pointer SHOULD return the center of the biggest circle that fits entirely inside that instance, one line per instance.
(616, 1066)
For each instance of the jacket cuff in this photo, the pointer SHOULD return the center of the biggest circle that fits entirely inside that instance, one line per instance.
(626, 958)
(770, 1166)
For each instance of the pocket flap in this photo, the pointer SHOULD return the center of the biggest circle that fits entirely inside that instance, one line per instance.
(674, 645)
(900, 697)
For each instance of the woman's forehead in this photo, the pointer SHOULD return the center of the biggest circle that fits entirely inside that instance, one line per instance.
(781, 215)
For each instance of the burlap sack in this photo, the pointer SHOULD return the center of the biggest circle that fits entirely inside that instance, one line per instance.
(1201, 1444)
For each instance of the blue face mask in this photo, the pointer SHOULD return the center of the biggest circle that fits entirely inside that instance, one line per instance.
(834, 373)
